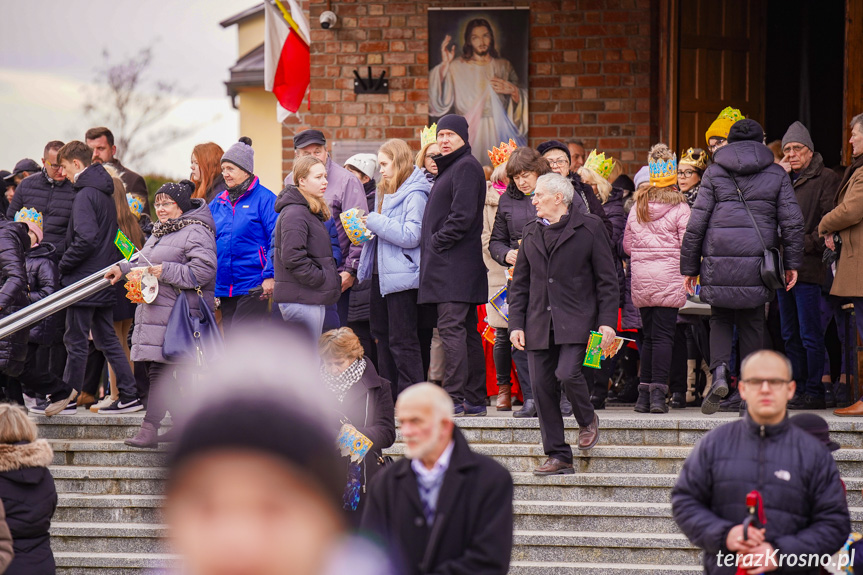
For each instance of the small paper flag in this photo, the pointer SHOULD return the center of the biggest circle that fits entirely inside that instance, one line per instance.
(124, 244)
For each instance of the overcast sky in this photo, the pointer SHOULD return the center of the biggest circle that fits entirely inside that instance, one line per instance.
(50, 50)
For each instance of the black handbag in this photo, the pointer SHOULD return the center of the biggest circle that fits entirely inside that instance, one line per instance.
(191, 339)
(772, 269)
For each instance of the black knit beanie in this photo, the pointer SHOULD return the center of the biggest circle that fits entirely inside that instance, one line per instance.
(746, 130)
(180, 192)
(553, 145)
(455, 123)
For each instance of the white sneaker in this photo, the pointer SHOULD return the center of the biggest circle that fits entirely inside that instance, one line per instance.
(102, 403)
(123, 407)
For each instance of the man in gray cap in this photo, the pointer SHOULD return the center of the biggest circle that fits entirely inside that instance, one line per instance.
(800, 308)
(344, 191)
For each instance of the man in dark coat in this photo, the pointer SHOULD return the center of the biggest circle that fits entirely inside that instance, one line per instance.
(89, 249)
(50, 193)
(563, 287)
(803, 497)
(101, 141)
(452, 272)
(443, 508)
(722, 246)
(800, 307)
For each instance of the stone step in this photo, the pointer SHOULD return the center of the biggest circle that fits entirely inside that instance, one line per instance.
(87, 425)
(115, 563)
(109, 538)
(561, 568)
(109, 480)
(108, 508)
(604, 547)
(104, 452)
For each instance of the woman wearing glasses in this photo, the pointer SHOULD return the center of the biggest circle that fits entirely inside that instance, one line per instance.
(692, 164)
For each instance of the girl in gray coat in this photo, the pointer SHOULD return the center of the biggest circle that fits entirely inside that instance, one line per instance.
(182, 251)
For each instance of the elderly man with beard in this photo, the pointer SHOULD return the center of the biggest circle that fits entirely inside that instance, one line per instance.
(443, 508)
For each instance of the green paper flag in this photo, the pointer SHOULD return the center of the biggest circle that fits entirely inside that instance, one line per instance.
(124, 244)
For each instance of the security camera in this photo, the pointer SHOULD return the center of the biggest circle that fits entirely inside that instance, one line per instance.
(328, 19)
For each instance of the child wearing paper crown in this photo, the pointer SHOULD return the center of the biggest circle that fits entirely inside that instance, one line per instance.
(653, 236)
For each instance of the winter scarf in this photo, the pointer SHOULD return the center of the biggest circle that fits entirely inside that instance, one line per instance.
(161, 229)
(340, 384)
(692, 194)
(240, 189)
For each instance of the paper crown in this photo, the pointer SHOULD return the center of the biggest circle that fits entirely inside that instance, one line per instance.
(135, 205)
(500, 154)
(29, 215)
(354, 227)
(722, 124)
(695, 157)
(730, 113)
(600, 164)
(428, 135)
(663, 173)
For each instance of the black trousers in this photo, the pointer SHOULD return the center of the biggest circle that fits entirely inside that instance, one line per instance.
(95, 371)
(363, 331)
(559, 366)
(750, 324)
(81, 320)
(37, 376)
(464, 376)
(504, 354)
(242, 309)
(679, 360)
(393, 320)
(162, 384)
(659, 324)
(597, 379)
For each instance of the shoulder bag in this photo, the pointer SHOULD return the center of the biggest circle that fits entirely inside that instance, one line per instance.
(191, 339)
(772, 270)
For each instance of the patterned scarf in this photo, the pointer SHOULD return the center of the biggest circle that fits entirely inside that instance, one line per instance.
(161, 229)
(341, 383)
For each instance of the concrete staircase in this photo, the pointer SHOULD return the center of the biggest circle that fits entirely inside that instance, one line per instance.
(612, 517)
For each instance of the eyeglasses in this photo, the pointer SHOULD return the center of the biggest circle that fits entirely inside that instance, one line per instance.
(796, 149)
(560, 162)
(686, 173)
(165, 205)
(757, 383)
(716, 145)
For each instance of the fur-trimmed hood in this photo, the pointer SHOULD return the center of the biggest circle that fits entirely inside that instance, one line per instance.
(668, 195)
(19, 457)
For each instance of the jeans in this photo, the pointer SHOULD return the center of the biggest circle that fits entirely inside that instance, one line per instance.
(800, 311)
(310, 317)
(750, 323)
(162, 386)
(659, 325)
(831, 308)
(504, 355)
(99, 321)
(393, 319)
(464, 378)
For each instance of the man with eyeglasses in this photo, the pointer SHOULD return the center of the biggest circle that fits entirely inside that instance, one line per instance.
(50, 193)
(800, 308)
(804, 499)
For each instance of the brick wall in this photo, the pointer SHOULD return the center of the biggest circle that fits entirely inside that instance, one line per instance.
(589, 72)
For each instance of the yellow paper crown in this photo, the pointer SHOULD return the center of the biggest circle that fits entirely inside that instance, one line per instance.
(600, 164)
(723, 122)
(663, 173)
(428, 135)
(695, 157)
(500, 154)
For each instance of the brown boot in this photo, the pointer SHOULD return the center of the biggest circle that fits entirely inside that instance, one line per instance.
(504, 398)
(85, 399)
(588, 436)
(855, 410)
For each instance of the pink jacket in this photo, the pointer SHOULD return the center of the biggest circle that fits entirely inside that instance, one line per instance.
(655, 250)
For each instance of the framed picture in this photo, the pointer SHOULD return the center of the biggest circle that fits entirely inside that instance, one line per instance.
(478, 62)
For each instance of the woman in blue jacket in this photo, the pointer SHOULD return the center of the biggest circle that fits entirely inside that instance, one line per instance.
(245, 219)
(392, 260)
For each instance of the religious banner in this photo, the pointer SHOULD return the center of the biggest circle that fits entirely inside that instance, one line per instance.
(478, 60)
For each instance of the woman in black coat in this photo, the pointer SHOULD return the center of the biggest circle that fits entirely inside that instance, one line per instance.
(27, 491)
(305, 271)
(14, 241)
(362, 399)
(722, 246)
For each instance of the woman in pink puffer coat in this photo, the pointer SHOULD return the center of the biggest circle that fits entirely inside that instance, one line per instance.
(653, 236)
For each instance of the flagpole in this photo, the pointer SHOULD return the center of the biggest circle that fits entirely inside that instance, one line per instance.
(291, 22)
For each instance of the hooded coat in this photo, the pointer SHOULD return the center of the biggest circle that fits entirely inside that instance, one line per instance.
(42, 281)
(305, 270)
(14, 241)
(654, 248)
(53, 200)
(846, 219)
(187, 252)
(30, 498)
(452, 269)
(721, 244)
(397, 230)
(92, 228)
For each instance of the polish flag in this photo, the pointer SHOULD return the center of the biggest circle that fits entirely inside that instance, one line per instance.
(286, 56)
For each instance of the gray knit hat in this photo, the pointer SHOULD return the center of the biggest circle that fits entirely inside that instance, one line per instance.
(797, 132)
(241, 155)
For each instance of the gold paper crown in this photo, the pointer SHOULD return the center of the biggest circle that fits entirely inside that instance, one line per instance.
(499, 155)
(29, 215)
(600, 164)
(695, 157)
(663, 173)
(428, 135)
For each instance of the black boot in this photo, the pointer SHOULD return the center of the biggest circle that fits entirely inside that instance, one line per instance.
(146, 438)
(565, 405)
(717, 391)
(642, 404)
(658, 391)
(529, 409)
(678, 400)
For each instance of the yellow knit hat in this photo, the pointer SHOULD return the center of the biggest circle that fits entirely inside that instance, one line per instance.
(722, 124)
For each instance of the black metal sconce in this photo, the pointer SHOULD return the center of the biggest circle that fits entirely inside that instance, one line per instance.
(371, 85)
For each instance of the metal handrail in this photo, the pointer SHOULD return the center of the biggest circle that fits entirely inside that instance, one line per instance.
(57, 301)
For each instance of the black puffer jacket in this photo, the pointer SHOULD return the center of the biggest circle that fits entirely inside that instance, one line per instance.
(720, 231)
(804, 499)
(43, 280)
(53, 200)
(514, 212)
(358, 309)
(28, 493)
(305, 271)
(613, 207)
(92, 229)
(14, 241)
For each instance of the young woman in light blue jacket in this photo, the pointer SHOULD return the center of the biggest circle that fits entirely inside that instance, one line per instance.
(392, 260)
